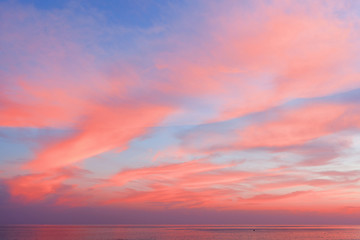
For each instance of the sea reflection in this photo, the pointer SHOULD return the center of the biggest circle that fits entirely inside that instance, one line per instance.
(198, 232)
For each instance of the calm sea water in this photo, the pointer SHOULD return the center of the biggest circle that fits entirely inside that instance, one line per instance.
(122, 232)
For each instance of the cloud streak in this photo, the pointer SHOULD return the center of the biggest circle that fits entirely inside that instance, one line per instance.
(246, 105)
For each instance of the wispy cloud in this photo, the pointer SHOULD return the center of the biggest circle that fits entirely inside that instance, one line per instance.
(232, 105)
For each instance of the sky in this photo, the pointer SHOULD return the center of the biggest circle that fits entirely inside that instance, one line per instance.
(179, 112)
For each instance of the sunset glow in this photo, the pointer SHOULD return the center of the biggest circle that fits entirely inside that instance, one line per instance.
(183, 109)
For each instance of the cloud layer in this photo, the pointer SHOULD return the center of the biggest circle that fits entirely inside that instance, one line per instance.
(221, 106)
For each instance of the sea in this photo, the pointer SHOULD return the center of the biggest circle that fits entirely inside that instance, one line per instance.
(175, 232)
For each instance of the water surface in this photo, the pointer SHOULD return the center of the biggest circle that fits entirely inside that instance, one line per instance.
(178, 232)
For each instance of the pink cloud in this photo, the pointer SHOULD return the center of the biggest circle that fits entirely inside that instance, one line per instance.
(166, 172)
(35, 186)
(294, 127)
(241, 64)
(104, 129)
